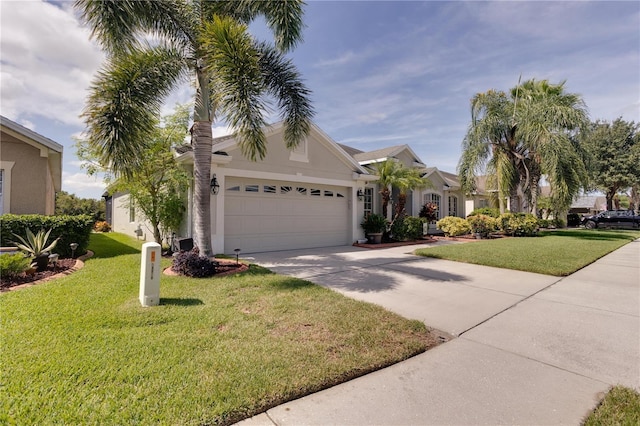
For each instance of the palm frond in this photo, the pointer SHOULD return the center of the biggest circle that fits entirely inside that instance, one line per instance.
(120, 25)
(284, 82)
(284, 17)
(125, 100)
(233, 63)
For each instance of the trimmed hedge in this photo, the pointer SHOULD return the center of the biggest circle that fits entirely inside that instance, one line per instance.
(407, 228)
(70, 229)
(453, 226)
(518, 224)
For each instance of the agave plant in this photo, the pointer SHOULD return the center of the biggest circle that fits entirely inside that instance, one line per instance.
(35, 245)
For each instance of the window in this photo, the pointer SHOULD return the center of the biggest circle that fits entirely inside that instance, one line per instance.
(234, 188)
(368, 202)
(435, 199)
(453, 205)
(269, 189)
(328, 193)
(285, 189)
(251, 188)
(132, 213)
(301, 190)
(315, 192)
(483, 203)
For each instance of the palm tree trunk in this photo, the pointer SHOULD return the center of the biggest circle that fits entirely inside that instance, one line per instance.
(385, 195)
(201, 141)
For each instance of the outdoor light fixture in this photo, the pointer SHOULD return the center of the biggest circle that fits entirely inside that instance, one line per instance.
(73, 247)
(360, 194)
(215, 186)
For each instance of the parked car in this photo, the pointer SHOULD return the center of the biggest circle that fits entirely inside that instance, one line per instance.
(613, 219)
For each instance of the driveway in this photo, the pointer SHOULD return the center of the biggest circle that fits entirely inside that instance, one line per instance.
(531, 349)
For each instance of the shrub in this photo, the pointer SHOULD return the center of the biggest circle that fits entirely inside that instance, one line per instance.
(407, 228)
(13, 264)
(191, 264)
(453, 226)
(68, 229)
(518, 224)
(374, 223)
(487, 211)
(573, 219)
(544, 223)
(429, 212)
(558, 223)
(482, 224)
(102, 226)
(35, 245)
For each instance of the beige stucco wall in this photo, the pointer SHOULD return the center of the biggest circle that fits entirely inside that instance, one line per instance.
(121, 220)
(31, 189)
(321, 163)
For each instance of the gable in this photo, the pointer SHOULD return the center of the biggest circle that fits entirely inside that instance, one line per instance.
(317, 156)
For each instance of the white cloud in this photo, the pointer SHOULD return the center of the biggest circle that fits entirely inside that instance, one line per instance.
(47, 61)
(82, 185)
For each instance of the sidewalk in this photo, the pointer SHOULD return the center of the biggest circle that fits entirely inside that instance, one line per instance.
(531, 349)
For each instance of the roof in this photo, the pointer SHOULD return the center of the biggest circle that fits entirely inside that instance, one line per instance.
(378, 154)
(590, 202)
(12, 125)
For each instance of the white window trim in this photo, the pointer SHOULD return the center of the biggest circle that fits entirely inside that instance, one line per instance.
(6, 185)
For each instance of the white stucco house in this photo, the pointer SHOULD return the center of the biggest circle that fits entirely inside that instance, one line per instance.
(313, 196)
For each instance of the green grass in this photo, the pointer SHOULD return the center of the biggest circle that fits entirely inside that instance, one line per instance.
(621, 406)
(557, 253)
(81, 349)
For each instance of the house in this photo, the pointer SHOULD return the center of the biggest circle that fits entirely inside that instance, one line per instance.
(30, 170)
(313, 196)
(589, 205)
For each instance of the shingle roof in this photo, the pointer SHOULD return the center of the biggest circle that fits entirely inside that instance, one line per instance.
(590, 202)
(377, 154)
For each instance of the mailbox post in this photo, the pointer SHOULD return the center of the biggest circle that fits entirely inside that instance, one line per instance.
(150, 275)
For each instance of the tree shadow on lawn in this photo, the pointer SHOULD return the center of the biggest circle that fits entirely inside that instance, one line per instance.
(105, 247)
(595, 235)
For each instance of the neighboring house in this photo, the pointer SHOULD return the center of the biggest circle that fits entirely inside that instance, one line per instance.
(313, 196)
(589, 205)
(30, 170)
(125, 218)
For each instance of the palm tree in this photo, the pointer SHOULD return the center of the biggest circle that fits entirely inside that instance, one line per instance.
(153, 46)
(393, 174)
(521, 138)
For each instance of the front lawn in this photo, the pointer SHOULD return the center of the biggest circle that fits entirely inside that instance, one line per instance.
(81, 349)
(621, 406)
(557, 253)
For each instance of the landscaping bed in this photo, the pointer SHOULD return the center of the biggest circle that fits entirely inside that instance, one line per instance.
(62, 266)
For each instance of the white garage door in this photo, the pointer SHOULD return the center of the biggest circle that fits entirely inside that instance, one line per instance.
(271, 215)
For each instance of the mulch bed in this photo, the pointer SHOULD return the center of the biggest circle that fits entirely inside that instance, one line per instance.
(61, 268)
(225, 267)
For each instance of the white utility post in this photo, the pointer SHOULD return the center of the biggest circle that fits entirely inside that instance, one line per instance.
(150, 275)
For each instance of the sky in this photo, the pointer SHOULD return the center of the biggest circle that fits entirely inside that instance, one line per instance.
(382, 73)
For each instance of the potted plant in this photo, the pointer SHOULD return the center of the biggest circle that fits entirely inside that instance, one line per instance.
(374, 226)
(36, 247)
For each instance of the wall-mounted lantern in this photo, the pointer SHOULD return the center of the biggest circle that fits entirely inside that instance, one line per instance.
(360, 194)
(215, 186)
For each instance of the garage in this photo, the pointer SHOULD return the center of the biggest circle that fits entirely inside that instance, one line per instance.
(274, 215)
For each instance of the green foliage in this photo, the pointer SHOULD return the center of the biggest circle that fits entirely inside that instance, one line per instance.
(407, 228)
(518, 224)
(453, 226)
(71, 205)
(13, 264)
(614, 150)
(392, 173)
(374, 223)
(558, 223)
(544, 223)
(482, 224)
(35, 244)
(487, 211)
(66, 229)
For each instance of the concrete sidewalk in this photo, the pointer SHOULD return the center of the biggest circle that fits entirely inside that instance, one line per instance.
(531, 349)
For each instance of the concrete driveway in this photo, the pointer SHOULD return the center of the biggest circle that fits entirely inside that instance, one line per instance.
(531, 349)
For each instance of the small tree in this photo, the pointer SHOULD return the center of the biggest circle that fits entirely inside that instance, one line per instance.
(155, 188)
(71, 205)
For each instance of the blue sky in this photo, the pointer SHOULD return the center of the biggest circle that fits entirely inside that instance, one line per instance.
(382, 73)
